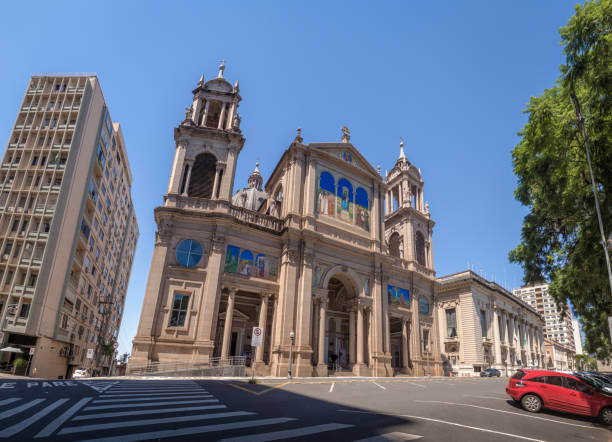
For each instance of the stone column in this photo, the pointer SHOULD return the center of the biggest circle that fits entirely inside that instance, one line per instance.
(216, 182)
(205, 113)
(220, 125)
(315, 330)
(263, 316)
(496, 336)
(352, 347)
(322, 326)
(196, 110)
(177, 168)
(227, 327)
(360, 335)
(188, 178)
(404, 344)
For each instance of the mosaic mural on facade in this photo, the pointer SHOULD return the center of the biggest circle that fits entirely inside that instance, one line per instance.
(398, 296)
(320, 270)
(245, 262)
(343, 201)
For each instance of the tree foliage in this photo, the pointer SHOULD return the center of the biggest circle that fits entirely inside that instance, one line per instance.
(560, 240)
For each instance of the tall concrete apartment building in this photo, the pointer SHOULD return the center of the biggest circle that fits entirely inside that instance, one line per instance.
(68, 230)
(558, 326)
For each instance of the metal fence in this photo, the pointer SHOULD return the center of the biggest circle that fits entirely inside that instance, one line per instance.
(232, 366)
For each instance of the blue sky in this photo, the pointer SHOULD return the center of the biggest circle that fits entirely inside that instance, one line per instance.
(451, 77)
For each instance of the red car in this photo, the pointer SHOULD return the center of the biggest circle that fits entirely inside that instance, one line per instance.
(537, 389)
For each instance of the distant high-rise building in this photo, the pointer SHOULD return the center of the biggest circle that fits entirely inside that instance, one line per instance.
(577, 336)
(558, 325)
(68, 230)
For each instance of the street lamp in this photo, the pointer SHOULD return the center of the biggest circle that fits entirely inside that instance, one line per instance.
(291, 337)
(580, 121)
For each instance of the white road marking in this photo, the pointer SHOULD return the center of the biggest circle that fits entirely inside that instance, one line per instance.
(25, 423)
(286, 434)
(150, 404)
(170, 393)
(511, 412)
(332, 387)
(57, 422)
(176, 433)
(19, 409)
(144, 422)
(486, 430)
(100, 388)
(145, 412)
(396, 436)
(185, 396)
(9, 400)
(414, 383)
(486, 397)
(378, 385)
(144, 390)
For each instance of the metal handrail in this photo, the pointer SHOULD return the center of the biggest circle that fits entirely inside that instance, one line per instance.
(147, 368)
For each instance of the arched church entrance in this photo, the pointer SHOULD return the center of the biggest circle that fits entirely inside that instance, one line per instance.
(340, 302)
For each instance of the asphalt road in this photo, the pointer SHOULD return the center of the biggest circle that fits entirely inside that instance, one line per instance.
(437, 409)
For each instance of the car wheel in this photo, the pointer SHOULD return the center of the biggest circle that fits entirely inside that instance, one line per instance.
(531, 403)
(606, 416)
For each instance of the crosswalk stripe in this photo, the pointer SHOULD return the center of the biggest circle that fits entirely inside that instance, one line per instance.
(285, 434)
(149, 404)
(9, 400)
(123, 390)
(175, 433)
(146, 412)
(19, 409)
(185, 396)
(11, 431)
(170, 393)
(55, 424)
(143, 422)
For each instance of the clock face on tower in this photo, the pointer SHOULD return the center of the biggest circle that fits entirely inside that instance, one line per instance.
(189, 253)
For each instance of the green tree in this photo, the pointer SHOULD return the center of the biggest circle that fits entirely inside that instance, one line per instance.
(560, 240)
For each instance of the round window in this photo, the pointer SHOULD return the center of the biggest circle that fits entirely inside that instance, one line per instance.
(423, 305)
(189, 253)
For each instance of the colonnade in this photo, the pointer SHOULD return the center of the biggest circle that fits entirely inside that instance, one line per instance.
(509, 327)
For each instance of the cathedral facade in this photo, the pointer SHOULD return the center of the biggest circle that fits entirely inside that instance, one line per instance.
(331, 259)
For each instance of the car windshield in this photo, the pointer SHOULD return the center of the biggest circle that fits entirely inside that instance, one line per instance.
(593, 382)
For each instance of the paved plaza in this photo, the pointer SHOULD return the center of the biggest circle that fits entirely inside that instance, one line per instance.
(338, 409)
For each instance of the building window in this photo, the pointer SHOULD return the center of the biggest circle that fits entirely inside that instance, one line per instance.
(483, 323)
(451, 323)
(425, 340)
(420, 248)
(25, 310)
(179, 310)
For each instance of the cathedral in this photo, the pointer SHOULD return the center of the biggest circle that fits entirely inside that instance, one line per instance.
(332, 260)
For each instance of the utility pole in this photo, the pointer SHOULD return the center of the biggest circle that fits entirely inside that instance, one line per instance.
(580, 122)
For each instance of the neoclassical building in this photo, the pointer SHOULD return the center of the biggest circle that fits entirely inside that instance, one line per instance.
(482, 325)
(327, 249)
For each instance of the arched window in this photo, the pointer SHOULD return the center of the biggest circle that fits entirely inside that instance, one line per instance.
(419, 243)
(203, 176)
(395, 245)
(214, 112)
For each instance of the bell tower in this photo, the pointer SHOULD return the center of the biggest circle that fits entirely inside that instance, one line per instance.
(408, 225)
(208, 142)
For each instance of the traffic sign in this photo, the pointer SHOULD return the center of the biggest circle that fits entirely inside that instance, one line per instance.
(115, 345)
(90, 353)
(32, 350)
(257, 337)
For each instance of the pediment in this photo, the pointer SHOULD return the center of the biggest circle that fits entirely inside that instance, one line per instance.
(237, 315)
(347, 153)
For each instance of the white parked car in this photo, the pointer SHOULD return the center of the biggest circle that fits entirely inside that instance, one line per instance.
(80, 373)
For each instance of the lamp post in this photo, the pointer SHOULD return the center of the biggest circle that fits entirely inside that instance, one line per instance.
(291, 337)
(580, 121)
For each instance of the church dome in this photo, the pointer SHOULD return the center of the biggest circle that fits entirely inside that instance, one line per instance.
(252, 196)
